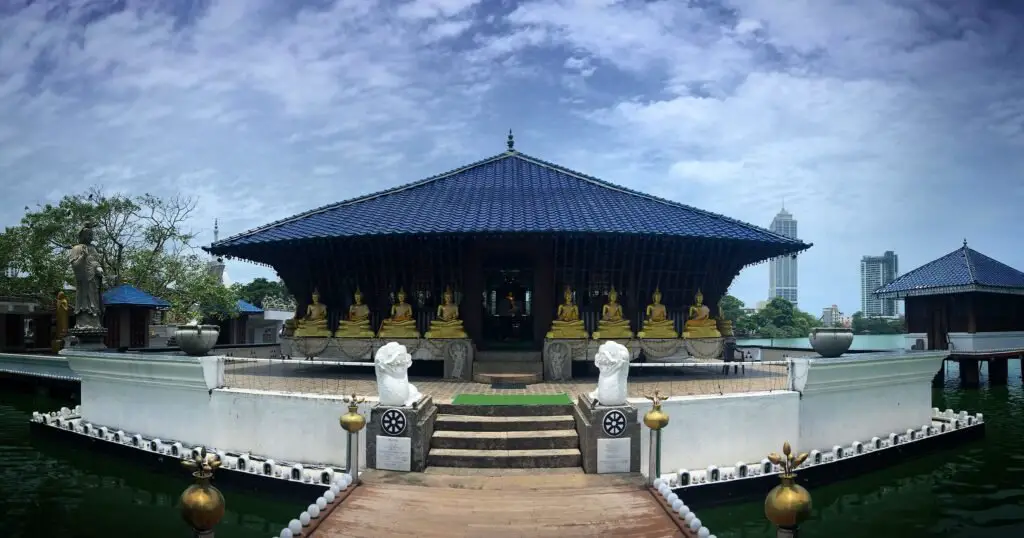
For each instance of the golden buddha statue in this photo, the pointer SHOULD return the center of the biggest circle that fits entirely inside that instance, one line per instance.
(401, 324)
(701, 324)
(357, 323)
(612, 323)
(567, 323)
(314, 323)
(447, 324)
(724, 324)
(657, 323)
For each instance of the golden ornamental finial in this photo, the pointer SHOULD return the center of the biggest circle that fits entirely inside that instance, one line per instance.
(202, 464)
(656, 398)
(352, 421)
(655, 419)
(787, 460)
(360, 292)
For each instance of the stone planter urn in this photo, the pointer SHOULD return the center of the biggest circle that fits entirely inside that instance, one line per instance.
(830, 341)
(196, 340)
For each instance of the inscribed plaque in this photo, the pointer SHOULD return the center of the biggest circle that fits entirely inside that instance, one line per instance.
(394, 453)
(614, 455)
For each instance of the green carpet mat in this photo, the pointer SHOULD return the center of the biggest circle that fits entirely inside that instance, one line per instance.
(512, 399)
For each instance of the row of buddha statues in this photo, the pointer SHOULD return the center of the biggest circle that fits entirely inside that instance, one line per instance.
(400, 323)
(567, 323)
(657, 324)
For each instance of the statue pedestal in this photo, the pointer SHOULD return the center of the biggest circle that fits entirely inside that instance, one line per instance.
(398, 437)
(88, 338)
(709, 349)
(609, 437)
(664, 349)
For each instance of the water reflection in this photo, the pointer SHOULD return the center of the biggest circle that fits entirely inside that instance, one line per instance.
(54, 489)
(974, 491)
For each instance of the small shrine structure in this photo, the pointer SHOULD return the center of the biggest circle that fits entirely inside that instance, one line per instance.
(512, 257)
(965, 302)
(128, 314)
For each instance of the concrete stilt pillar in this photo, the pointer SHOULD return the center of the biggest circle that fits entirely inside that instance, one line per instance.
(969, 375)
(940, 376)
(998, 371)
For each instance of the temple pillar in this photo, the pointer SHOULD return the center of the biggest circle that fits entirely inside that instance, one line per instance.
(473, 286)
(544, 292)
(940, 376)
(998, 371)
(969, 372)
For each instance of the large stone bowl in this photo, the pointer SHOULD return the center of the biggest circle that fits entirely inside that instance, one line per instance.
(830, 341)
(196, 340)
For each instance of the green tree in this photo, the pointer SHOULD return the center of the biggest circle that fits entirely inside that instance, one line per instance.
(261, 289)
(877, 325)
(781, 319)
(140, 240)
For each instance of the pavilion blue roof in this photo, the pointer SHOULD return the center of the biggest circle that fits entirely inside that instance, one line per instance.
(508, 193)
(128, 295)
(248, 308)
(962, 270)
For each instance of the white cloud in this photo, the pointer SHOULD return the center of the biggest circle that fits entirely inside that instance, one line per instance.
(875, 120)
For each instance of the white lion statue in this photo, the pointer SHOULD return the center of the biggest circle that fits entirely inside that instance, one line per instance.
(391, 364)
(612, 360)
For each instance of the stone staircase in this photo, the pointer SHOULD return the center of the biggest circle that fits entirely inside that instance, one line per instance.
(525, 367)
(500, 436)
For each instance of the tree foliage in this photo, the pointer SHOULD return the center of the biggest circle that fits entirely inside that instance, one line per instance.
(260, 290)
(877, 325)
(778, 319)
(141, 241)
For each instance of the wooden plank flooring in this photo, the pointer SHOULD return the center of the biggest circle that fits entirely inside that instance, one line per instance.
(485, 506)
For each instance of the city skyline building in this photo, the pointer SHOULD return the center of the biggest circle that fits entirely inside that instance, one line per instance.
(875, 272)
(782, 272)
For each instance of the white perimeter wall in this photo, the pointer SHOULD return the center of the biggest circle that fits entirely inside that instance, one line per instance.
(831, 402)
(174, 399)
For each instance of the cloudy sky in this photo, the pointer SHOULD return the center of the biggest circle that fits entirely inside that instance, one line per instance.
(882, 124)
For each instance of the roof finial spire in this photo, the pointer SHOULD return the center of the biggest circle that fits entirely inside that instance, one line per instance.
(216, 230)
(965, 242)
(511, 143)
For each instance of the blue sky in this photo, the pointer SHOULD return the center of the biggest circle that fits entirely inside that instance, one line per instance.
(883, 124)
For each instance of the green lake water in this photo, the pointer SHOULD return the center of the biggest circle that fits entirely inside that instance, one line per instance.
(55, 490)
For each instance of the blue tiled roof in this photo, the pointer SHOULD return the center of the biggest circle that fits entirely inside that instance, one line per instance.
(510, 192)
(248, 308)
(128, 295)
(964, 269)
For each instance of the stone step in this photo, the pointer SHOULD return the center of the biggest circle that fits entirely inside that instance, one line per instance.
(476, 423)
(507, 356)
(505, 410)
(490, 459)
(522, 378)
(515, 440)
(508, 372)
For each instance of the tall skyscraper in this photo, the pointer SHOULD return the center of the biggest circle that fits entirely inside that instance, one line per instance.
(875, 272)
(782, 271)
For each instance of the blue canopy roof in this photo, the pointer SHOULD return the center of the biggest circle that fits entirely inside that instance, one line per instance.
(128, 295)
(248, 308)
(962, 270)
(508, 193)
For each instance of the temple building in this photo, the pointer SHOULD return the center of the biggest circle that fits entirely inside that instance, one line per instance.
(511, 254)
(128, 314)
(964, 301)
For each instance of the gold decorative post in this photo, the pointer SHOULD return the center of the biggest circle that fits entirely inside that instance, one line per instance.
(788, 504)
(655, 419)
(353, 423)
(202, 505)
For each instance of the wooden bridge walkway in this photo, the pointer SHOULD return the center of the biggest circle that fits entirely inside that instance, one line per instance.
(462, 503)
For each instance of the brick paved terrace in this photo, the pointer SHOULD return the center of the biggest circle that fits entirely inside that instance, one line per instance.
(311, 377)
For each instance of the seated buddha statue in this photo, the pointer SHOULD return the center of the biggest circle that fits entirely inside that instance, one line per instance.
(724, 324)
(612, 323)
(357, 323)
(700, 323)
(657, 323)
(567, 323)
(314, 323)
(447, 324)
(401, 324)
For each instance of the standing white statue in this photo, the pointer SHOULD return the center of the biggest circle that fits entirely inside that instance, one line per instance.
(85, 263)
(392, 363)
(612, 361)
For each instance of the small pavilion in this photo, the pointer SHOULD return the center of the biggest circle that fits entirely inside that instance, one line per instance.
(128, 313)
(965, 302)
(236, 330)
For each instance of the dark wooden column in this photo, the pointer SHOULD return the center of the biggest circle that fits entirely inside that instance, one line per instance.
(473, 289)
(972, 322)
(543, 289)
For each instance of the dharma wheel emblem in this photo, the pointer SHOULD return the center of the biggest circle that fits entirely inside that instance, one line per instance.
(392, 422)
(614, 423)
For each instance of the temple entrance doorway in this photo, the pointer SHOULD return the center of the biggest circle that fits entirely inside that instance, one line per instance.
(507, 307)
